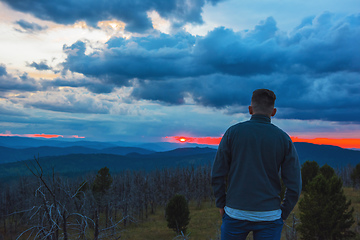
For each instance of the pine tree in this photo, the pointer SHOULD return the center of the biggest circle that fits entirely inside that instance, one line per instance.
(178, 214)
(101, 185)
(309, 170)
(324, 210)
(327, 171)
(102, 181)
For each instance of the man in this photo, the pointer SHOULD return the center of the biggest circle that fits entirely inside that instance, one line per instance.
(251, 158)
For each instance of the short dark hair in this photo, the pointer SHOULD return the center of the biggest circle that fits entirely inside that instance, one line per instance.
(263, 101)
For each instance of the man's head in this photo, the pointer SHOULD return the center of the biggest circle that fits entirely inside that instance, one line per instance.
(262, 102)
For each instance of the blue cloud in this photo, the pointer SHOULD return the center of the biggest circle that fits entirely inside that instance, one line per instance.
(2, 70)
(312, 68)
(42, 66)
(20, 83)
(91, 85)
(30, 27)
(71, 107)
(307, 67)
(133, 13)
(143, 58)
(316, 47)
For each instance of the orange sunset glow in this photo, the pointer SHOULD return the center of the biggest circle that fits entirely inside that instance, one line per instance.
(340, 142)
(42, 135)
(198, 140)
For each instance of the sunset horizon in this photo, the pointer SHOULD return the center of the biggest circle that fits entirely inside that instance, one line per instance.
(143, 71)
(346, 143)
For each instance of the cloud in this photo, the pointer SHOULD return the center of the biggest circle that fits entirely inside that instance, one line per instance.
(321, 47)
(67, 101)
(2, 70)
(311, 68)
(9, 109)
(93, 85)
(42, 66)
(36, 135)
(20, 83)
(150, 57)
(28, 27)
(133, 13)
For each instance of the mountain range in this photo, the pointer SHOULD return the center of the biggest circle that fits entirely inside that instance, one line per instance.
(79, 157)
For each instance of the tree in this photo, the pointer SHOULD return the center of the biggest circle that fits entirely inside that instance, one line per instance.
(324, 210)
(327, 171)
(178, 214)
(102, 181)
(355, 176)
(309, 170)
(101, 185)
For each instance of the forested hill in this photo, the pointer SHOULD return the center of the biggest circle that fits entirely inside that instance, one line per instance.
(75, 164)
(128, 158)
(335, 157)
(12, 155)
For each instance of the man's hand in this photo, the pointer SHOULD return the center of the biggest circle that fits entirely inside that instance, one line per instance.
(222, 211)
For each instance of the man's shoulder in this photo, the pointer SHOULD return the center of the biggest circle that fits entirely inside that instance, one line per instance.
(239, 125)
(282, 132)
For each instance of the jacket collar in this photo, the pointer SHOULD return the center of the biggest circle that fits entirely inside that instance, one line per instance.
(260, 118)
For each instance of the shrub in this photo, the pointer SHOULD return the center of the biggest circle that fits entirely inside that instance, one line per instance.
(327, 171)
(178, 214)
(309, 170)
(324, 210)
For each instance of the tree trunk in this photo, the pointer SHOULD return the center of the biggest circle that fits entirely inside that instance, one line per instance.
(64, 226)
(106, 215)
(96, 232)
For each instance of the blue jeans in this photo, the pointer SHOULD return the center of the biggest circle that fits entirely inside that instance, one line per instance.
(233, 229)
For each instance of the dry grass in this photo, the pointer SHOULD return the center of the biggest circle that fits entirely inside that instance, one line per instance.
(204, 224)
(354, 196)
(206, 221)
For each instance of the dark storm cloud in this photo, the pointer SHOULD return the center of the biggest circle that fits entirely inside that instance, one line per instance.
(41, 66)
(143, 58)
(93, 86)
(133, 13)
(2, 70)
(314, 70)
(20, 83)
(322, 47)
(29, 27)
(314, 67)
(70, 107)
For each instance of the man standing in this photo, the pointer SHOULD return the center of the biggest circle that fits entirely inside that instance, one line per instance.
(251, 158)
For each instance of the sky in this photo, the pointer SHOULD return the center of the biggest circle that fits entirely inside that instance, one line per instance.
(178, 70)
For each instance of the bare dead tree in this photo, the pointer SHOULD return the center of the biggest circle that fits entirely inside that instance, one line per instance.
(291, 233)
(48, 206)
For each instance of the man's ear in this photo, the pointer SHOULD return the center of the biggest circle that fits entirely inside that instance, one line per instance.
(251, 111)
(273, 112)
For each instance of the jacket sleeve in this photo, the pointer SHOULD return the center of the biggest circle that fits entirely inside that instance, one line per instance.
(291, 176)
(220, 171)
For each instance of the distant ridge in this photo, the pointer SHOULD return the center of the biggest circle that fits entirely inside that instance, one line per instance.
(12, 155)
(326, 154)
(81, 159)
(75, 164)
(25, 142)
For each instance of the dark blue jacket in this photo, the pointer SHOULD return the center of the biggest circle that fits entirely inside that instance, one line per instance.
(251, 157)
